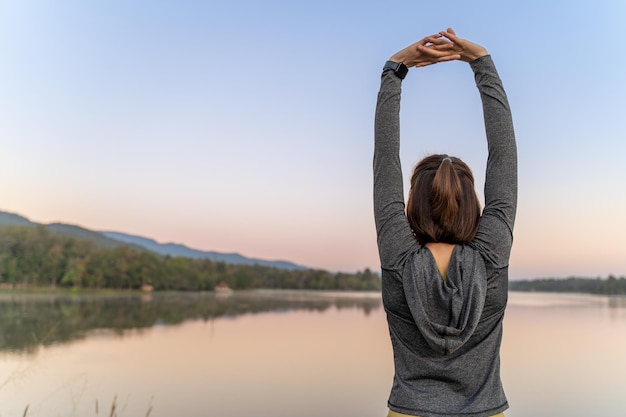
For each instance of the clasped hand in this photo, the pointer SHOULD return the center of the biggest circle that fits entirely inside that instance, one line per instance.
(441, 47)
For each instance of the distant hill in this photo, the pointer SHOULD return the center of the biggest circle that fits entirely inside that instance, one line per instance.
(13, 219)
(118, 239)
(78, 232)
(175, 249)
(68, 230)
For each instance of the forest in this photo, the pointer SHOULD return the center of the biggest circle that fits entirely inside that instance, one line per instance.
(33, 256)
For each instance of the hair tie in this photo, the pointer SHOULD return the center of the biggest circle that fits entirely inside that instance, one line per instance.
(446, 158)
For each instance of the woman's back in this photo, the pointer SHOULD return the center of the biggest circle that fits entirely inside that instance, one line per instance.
(441, 252)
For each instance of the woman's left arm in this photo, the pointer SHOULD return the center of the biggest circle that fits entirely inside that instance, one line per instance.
(393, 231)
(395, 237)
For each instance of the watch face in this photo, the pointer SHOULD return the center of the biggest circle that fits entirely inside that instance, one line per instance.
(402, 70)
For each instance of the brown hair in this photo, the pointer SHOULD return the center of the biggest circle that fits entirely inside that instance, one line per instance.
(442, 205)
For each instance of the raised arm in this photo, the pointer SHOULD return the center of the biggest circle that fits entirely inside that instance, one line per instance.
(495, 233)
(395, 237)
(394, 234)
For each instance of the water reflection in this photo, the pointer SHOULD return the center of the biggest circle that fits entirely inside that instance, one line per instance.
(562, 354)
(617, 301)
(30, 321)
(282, 354)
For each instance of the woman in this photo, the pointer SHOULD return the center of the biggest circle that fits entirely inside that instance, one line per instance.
(444, 264)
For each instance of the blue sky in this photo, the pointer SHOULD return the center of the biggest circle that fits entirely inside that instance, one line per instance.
(248, 126)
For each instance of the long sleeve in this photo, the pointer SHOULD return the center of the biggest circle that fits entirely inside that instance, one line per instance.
(395, 237)
(495, 234)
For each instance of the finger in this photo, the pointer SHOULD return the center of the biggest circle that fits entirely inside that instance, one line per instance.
(447, 32)
(451, 36)
(450, 57)
(437, 41)
(427, 39)
(442, 47)
(441, 51)
(432, 51)
(427, 50)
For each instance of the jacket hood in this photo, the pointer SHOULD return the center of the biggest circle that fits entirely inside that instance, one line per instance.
(446, 314)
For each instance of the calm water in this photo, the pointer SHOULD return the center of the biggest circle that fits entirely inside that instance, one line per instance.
(283, 354)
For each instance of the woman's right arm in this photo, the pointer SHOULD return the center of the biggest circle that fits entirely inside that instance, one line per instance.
(495, 234)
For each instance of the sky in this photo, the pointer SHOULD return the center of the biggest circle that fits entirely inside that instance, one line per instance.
(247, 126)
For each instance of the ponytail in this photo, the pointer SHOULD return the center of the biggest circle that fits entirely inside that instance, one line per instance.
(446, 196)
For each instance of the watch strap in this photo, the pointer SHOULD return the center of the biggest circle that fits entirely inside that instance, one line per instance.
(397, 67)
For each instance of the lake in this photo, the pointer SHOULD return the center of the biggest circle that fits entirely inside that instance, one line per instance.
(282, 353)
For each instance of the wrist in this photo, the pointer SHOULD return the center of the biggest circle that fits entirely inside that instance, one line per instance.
(397, 58)
(477, 55)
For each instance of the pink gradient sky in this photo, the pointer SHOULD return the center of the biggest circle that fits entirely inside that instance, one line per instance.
(241, 127)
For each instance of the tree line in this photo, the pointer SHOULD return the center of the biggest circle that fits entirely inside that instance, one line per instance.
(609, 286)
(33, 256)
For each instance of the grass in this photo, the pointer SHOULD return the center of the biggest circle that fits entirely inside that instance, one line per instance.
(112, 413)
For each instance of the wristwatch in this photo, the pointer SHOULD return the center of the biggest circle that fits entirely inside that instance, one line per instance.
(398, 68)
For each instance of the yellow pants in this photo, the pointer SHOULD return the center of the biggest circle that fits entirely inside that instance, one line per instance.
(394, 414)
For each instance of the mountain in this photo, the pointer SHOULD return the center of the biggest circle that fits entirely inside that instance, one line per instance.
(117, 239)
(13, 219)
(68, 230)
(81, 233)
(175, 249)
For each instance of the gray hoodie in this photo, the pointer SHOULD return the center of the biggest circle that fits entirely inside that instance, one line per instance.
(446, 336)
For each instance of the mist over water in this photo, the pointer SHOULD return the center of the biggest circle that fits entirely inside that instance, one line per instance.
(280, 353)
